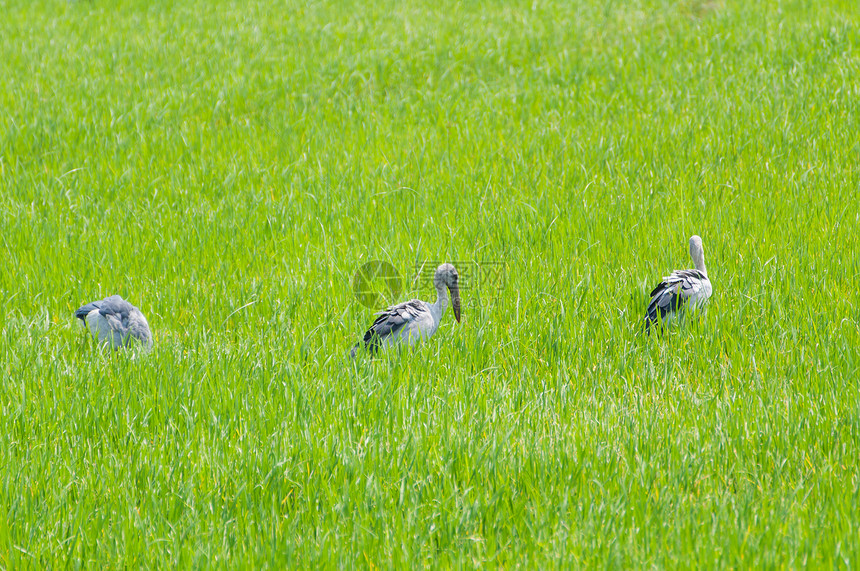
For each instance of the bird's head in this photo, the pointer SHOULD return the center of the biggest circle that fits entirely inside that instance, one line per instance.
(446, 276)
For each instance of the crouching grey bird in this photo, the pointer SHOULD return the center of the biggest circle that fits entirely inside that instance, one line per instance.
(683, 290)
(415, 320)
(116, 323)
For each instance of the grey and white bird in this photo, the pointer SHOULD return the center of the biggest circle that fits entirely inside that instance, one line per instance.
(683, 290)
(115, 323)
(413, 321)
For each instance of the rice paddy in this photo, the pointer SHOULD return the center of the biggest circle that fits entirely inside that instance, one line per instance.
(228, 167)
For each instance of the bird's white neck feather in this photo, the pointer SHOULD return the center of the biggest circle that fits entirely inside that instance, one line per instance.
(698, 256)
(437, 310)
(699, 261)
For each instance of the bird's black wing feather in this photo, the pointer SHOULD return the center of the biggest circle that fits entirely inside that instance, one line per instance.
(84, 310)
(672, 294)
(389, 322)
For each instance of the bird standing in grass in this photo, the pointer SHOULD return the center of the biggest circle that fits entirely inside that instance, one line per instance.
(683, 290)
(414, 320)
(115, 323)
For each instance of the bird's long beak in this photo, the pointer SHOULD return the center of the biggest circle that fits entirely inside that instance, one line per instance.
(455, 301)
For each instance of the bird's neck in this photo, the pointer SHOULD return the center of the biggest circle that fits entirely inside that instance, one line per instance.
(438, 308)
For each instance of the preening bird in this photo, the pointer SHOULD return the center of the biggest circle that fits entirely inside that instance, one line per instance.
(683, 290)
(415, 320)
(116, 323)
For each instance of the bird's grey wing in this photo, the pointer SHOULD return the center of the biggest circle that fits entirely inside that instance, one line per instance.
(129, 319)
(391, 322)
(138, 327)
(693, 284)
(114, 332)
(673, 293)
(116, 311)
(115, 305)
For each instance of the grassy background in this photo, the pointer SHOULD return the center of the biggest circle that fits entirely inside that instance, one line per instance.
(196, 157)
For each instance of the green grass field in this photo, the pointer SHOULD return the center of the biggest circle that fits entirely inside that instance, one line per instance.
(196, 157)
